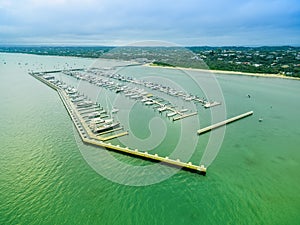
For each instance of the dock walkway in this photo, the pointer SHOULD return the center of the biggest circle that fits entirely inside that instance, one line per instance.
(216, 125)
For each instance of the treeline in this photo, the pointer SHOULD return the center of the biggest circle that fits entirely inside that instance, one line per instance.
(273, 60)
(156, 63)
(88, 52)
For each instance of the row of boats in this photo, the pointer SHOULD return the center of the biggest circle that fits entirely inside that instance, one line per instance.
(157, 87)
(109, 80)
(134, 93)
(96, 117)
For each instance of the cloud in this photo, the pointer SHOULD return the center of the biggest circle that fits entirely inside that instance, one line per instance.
(179, 21)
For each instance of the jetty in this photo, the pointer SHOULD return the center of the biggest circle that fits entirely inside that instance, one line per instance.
(216, 125)
(89, 137)
(184, 116)
(57, 71)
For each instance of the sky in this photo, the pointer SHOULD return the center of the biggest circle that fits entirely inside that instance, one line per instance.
(123, 22)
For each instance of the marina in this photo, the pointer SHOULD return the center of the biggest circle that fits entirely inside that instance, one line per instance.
(111, 80)
(93, 136)
(96, 124)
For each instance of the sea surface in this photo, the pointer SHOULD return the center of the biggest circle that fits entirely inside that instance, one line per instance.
(47, 175)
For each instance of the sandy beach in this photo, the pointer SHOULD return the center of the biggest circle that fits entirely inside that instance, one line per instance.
(229, 72)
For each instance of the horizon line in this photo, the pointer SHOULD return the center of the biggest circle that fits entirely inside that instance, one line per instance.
(141, 46)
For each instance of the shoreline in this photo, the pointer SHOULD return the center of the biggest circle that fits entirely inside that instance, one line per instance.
(228, 72)
(238, 73)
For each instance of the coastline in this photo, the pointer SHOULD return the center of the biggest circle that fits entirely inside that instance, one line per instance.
(228, 72)
(179, 68)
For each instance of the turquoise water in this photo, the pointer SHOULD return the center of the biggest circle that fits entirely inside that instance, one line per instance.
(45, 179)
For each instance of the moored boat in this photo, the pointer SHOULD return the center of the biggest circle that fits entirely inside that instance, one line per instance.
(183, 110)
(171, 114)
(161, 109)
(211, 104)
(85, 104)
(114, 110)
(106, 127)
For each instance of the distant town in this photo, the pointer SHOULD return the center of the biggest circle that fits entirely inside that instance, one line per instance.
(283, 60)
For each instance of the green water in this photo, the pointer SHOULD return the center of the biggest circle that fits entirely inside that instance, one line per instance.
(45, 180)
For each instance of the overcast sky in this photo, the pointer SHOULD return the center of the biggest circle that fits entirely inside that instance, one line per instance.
(120, 22)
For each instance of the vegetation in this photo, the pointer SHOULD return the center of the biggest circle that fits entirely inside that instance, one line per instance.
(155, 63)
(88, 52)
(272, 60)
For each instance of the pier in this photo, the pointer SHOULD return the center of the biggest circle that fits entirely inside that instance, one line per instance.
(110, 131)
(184, 116)
(88, 137)
(57, 71)
(216, 125)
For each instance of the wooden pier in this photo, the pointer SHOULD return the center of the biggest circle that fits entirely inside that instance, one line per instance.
(110, 131)
(216, 125)
(88, 137)
(115, 136)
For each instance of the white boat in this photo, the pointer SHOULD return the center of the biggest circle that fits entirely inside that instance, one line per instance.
(211, 104)
(76, 95)
(135, 96)
(161, 109)
(188, 98)
(144, 93)
(71, 91)
(108, 121)
(85, 104)
(171, 114)
(114, 110)
(106, 127)
(94, 114)
(149, 103)
(96, 121)
(183, 110)
(48, 77)
(64, 86)
(119, 90)
(78, 99)
(145, 99)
